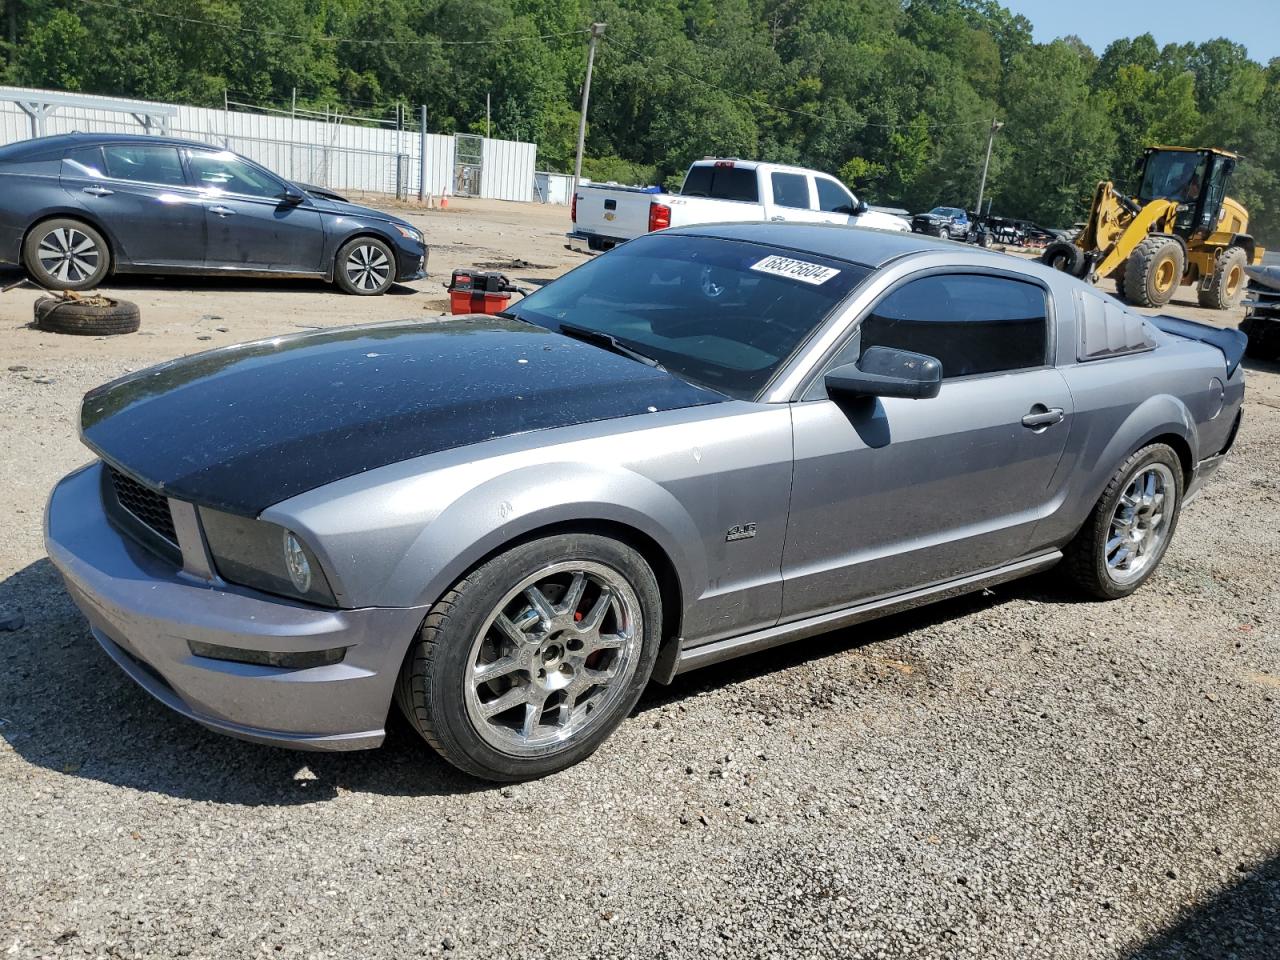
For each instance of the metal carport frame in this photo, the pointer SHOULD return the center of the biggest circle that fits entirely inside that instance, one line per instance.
(39, 106)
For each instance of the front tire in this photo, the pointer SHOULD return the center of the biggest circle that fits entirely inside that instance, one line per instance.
(66, 254)
(366, 267)
(1153, 271)
(1130, 528)
(532, 660)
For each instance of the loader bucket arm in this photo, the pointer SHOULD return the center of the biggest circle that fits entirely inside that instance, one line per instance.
(1156, 211)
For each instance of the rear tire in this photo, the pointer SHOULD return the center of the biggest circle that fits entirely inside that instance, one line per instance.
(562, 677)
(1226, 286)
(66, 254)
(1130, 527)
(1065, 256)
(366, 267)
(1153, 271)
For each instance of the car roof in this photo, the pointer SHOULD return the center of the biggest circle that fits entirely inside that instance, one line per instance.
(58, 144)
(860, 245)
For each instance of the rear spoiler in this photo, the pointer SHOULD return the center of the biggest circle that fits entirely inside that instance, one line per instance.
(1232, 343)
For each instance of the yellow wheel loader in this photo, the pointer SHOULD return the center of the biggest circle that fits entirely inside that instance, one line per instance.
(1181, 228)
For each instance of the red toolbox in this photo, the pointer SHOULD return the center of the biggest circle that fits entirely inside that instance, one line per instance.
(478, 291)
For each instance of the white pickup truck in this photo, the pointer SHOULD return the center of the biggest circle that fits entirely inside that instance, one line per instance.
(720, 191)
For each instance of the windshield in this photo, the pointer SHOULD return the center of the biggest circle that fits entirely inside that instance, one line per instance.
(1174, 175)
(948, 211)
(724, 314)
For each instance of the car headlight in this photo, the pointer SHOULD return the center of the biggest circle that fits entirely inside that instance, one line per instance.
(408, 233)
(265, 556)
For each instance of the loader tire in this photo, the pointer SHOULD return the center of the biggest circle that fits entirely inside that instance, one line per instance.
(1153, 271)
(1226, 285)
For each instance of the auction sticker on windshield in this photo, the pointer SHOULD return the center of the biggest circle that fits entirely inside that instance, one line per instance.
(802, 270)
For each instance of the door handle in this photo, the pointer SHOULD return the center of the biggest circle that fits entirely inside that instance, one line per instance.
(98, 191)
(1042, 416)
(777, 219)
(221, 211)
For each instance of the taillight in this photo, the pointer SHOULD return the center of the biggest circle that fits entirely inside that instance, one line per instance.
(573, 208)
(659, 216)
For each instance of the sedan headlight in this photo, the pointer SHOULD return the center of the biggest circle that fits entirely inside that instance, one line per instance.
(265, 556)
(408, 233)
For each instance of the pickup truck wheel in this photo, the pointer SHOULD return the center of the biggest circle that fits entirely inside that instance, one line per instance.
(1227, 284)
(530, 661)
(1130, 528)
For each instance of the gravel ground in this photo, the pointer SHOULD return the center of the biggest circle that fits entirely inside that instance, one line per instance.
(1015, 774)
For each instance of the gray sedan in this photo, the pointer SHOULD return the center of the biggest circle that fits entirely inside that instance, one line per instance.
(705, 443)
(76, 208)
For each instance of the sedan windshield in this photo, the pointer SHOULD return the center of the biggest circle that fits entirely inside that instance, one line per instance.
(724, 314)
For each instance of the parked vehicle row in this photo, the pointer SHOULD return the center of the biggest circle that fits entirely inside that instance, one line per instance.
(704, 443)
(75, 209)
(720, 191)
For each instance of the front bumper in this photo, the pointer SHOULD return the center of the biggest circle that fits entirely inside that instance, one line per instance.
(411, 263)
(144, 610)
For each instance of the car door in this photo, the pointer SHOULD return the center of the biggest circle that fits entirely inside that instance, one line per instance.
(791, 198)
(138, 192)
(250, 224)
(893, 494)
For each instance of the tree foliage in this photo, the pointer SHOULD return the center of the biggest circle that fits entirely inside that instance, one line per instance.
(894, 96)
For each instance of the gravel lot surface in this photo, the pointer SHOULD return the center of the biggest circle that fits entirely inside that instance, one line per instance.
(1016, 774)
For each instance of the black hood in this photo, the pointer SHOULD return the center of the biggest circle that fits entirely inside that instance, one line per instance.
(245, 427)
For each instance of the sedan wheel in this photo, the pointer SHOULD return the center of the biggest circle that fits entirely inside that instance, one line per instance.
(552, 656)
(366, 267)
(1131, 526)
(66, 255)
(1139, 523)
(530, 661)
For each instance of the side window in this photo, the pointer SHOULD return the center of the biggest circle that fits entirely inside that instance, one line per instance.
(972, 323)
(85, 162)
(226, 173)
(791, 190)
(832, 197)
(145, 163)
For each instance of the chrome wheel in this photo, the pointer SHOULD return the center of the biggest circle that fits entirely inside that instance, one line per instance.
(553, 657)
(368, 267)
(1140, 523)
(69, 256)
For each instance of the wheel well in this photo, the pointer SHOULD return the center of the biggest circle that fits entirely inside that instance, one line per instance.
(642, 543)
(106, 237)
(1181, 448)
(1245, 242)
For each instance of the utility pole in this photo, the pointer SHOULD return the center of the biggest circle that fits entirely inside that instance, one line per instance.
(996, 126)
(422, 156)
(597, 31)
(486, 116)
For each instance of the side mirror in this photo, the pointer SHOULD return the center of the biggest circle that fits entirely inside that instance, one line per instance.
(887, 372)
(860, 208)
(291, 197)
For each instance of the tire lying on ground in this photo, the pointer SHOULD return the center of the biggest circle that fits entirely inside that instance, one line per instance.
(88, 318)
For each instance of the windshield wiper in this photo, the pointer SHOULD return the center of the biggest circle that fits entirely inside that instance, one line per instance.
(607, 340)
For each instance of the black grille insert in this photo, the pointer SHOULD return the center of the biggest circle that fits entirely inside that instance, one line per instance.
(150, 508)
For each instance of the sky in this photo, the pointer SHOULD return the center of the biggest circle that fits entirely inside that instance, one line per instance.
(1254, 23)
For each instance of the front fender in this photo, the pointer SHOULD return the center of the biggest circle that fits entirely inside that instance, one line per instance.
(509, 507)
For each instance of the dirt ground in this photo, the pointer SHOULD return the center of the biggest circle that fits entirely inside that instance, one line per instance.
(1008, 775)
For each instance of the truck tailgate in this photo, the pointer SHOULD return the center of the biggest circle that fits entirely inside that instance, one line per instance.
(613, 213)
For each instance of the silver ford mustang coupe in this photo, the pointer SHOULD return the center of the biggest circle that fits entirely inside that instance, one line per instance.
(707, 442)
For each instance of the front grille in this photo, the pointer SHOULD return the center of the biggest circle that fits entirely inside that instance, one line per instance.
(150, 508)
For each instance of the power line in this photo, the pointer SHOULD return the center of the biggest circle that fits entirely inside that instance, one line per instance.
(425, 41)
(771, 106)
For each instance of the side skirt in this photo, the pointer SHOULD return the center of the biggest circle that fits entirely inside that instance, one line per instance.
(721, 650)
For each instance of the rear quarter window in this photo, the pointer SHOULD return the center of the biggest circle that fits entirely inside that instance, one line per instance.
(1107, 329)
